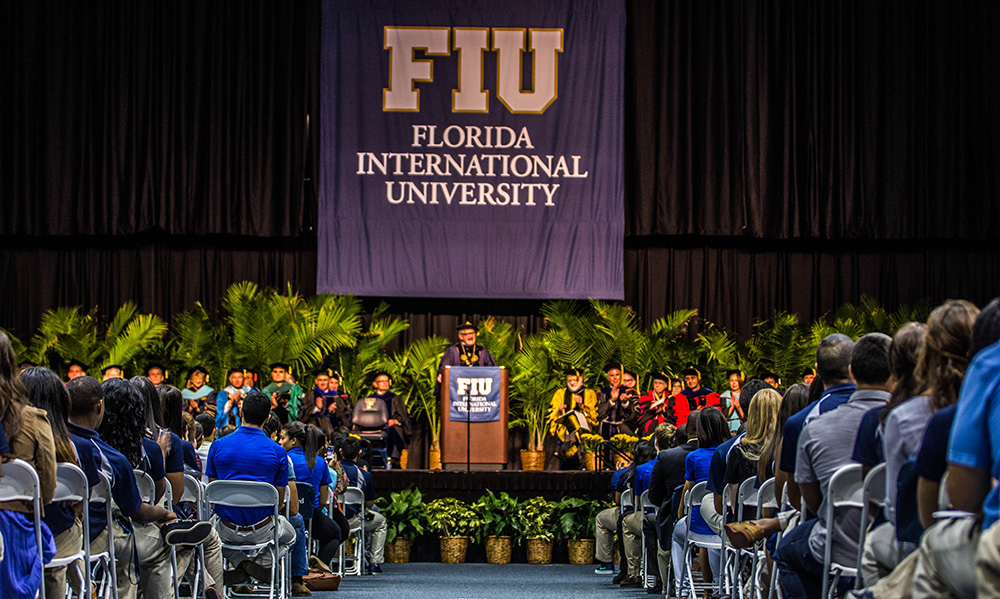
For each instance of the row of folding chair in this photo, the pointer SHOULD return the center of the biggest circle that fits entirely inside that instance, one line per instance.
(648, 509)
(353, 496)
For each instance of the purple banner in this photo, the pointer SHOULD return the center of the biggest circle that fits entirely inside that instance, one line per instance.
(472, 149)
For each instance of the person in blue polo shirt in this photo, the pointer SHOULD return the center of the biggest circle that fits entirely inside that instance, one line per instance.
(248, 454)
(374, 522)
(86, 414)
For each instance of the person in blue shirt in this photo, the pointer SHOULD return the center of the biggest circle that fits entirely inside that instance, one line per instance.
(302, 442)
(248, 454)
(713, 430)
(833, 360)
(374, 522)
(87, 413)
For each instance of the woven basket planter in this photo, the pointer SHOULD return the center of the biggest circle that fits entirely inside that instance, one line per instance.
(581, 551)
(453, 549)
(539, 551)
(398, 551)
(532, 460)
(589, 460)
(434, 459)
(498, 550)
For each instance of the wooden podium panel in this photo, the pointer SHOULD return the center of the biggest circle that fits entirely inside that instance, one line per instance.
(487, 441)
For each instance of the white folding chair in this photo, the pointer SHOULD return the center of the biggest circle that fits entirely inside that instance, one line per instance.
(250, 494)
(628, 502)
(693, 539)
(772, 590)
(873, 492)
(765, 500)
(71, 487)
(353, 496)
(647, 507)
(147, 488)
(19, 482)
(194, 494)
(844, 492)
(734, 559)
(103, 566)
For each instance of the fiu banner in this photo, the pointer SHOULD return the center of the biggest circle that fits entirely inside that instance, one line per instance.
(472, 149)
(474, 394)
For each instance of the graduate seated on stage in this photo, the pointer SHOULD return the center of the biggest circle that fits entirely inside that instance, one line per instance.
(197, 393)
(697, 397)
(573, 410)
(282, 390)
(615, 405)
(330, 407)
(657, 406)
(397, 427)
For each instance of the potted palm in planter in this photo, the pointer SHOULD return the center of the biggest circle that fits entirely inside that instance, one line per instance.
(497, 513)
(404, 517)
(419, 363)
(455, 522)
(573, 522)
(534, 382)
(534, 526)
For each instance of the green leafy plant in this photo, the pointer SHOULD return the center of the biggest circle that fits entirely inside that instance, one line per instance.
(369, 354)
(532, 387)
(497, 513)
(451, 518)
(534, 519)
(404, 514)
(418, 366)
(573, 518)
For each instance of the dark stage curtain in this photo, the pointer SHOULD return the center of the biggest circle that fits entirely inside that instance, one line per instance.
(188, 117)
(833, 120)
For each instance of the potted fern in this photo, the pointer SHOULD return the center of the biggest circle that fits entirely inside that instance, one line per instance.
(497, 513)
(534, 526)
(573, 522)
(404, 517)
(455, 522)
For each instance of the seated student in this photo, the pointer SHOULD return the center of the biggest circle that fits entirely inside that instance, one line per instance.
(29, 437)
(712, 432)
(821, 453)
(86, 414)
(248, 454)
(172, 406)
(748, 459)
(47, 392)
(330, 408)
(644, 453)
(696, 396)
(193, 436)
(606, 523)
(636, 524)
(374, 522)
(156, 434)
(302, 445)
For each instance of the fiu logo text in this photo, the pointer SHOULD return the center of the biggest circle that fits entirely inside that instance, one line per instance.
(474, 386)
(472, 44)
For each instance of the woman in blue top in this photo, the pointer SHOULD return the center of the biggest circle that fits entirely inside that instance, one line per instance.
(302, 443)
(712, 431)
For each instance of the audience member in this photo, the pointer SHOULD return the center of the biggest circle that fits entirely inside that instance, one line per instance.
(639, 472)
(730, 400)
(374, 523)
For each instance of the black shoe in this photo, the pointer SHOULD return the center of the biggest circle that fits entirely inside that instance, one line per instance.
(622, 575)
(634, 581)
(187, 533)
(237, 575)
(257, 571)
(374, 569)
(656, 589)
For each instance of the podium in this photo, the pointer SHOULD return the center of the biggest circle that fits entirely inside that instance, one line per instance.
(476, 445)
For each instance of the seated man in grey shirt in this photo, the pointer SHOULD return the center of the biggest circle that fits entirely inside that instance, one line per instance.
(823, 448)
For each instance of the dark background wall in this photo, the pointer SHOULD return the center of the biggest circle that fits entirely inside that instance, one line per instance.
(779, 155)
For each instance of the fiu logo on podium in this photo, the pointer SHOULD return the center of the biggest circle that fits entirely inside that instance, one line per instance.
(473, 387)
(472, 44)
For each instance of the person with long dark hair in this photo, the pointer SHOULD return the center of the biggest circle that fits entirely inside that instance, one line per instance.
(47, 392)
(172, 404)
(302, 444)
(29, 438)
(161, 446)
(713, 430)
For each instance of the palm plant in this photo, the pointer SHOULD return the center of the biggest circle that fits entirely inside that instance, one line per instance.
(358, 361)
(664, 345)
(499, 338)
(780, 344)
(532, 386)
(65, 334)
(20, 350)
(418, 372)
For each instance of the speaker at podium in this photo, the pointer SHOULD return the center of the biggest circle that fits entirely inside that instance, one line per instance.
(474, 417)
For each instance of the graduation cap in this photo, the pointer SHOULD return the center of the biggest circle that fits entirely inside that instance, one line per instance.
(381, 373)
(75, 362)
(614, 366)
(661, 376)
(691, 371)
(767, 374)
(198, 368)
(235, 369)
(733, 371)
(334, 374)
(465, 326)
(282, 365)
(808, 372)
(572, 372)
(119, 367)
(630, 373)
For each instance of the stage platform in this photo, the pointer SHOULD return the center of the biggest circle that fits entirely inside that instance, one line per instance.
(522, 484)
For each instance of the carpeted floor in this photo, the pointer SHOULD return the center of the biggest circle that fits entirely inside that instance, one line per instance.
(482, 581)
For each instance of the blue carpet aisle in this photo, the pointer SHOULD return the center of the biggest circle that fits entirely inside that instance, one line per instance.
(480, 581)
